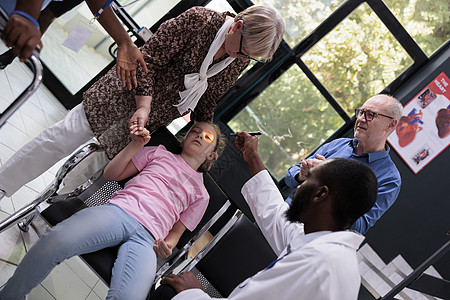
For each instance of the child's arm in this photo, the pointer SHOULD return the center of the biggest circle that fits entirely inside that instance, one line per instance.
(163, 248)
(122, 166)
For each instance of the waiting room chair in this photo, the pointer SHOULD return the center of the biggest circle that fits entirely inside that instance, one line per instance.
(237, 252)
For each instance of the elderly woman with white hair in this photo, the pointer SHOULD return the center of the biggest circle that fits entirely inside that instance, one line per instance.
(192, 60)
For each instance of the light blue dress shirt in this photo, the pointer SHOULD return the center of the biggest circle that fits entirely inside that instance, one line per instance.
(389, 180)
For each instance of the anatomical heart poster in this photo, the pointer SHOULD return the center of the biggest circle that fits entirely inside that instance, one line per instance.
(424, 129)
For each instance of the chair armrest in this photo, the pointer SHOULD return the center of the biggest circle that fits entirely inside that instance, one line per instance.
(51, 189)
(213, 242)
(176, 259)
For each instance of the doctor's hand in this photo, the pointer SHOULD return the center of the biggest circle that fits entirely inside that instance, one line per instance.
(247, 144)
(306, 165)
(184, 281)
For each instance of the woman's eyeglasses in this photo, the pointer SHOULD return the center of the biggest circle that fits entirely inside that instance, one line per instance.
(369, 115)
(245, 55)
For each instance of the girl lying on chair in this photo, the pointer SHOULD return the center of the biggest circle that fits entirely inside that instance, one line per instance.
(146, 218)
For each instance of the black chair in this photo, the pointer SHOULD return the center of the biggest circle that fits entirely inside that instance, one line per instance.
(238, 251)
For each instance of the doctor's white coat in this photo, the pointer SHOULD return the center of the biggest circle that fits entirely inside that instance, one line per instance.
(316, 266)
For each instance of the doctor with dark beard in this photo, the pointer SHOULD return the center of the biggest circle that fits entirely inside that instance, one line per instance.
(316, 253)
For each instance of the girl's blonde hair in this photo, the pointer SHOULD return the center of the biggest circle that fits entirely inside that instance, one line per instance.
(262, 32)
(220, 142)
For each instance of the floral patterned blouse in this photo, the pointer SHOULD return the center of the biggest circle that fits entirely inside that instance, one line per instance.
(177, 48)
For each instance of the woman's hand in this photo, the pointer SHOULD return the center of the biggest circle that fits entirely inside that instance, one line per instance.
(128, 56)
(138, 120)
(162, 249)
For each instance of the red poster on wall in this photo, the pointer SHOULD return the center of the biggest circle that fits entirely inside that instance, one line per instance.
(423, 131)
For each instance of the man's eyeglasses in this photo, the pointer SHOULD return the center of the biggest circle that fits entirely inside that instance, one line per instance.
(245, 55)
(369, 115)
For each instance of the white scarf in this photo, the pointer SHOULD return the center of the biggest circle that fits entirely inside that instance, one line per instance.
(196, 83)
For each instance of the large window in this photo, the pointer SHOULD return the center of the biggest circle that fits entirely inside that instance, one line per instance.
(344, 52)
(293, 117)
(427, 21)
(147, 13)
(76, 66)
(357, 59)
(335, 55)
(301, 16)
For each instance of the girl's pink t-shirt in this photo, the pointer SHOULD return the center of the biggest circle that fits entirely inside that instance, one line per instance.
(165, 190)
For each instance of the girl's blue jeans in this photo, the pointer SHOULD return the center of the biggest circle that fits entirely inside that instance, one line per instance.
(89, 230)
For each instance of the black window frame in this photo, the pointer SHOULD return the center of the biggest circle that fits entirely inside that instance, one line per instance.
(260, 76)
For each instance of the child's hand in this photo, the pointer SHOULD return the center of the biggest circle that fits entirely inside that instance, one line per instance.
(162, 249)
(141, 136)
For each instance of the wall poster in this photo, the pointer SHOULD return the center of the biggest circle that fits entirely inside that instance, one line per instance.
(423, 131)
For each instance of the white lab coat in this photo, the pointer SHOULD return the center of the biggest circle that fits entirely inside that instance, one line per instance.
(319, 265)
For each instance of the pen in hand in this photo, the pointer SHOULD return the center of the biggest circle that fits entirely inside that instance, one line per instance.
(251, 133)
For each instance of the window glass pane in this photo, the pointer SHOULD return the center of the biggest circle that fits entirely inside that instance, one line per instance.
(357, 59)
(301, 16)
(147, 13)
(293, 117)
(76, 67)
(427, 21)
(220, 5)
